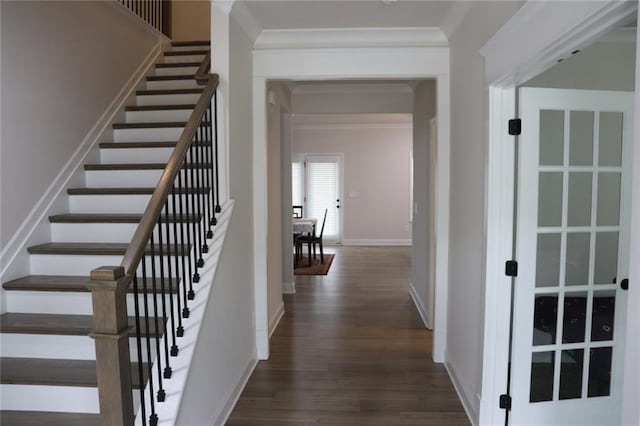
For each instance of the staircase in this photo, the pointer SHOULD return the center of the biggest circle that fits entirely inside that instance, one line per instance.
(47, 364)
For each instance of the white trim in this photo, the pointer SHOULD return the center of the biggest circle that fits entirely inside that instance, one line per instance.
(455, 15)
(275, 319)
(457, 385)
(234, 395)
(420, 307)
(350, 37)
(289, 288)
(376, 242)
(40, 212)
(516, 53)
(246, 20)
(350, 88)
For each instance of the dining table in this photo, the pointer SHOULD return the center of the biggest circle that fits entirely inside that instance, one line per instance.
(305, 225)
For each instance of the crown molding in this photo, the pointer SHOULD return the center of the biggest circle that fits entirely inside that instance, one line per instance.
(350, 37)
(454, 17)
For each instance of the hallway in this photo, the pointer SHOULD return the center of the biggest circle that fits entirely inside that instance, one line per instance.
(351, 349)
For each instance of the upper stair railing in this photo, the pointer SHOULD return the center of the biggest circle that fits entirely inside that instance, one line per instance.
(160, 267)
(156, 13)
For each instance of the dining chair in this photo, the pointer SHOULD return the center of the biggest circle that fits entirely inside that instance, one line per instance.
(313, 239)
(297, 211)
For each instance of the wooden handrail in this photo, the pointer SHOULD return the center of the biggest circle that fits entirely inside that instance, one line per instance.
(138, 243)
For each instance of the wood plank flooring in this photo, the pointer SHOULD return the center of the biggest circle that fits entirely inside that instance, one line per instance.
(351, 349)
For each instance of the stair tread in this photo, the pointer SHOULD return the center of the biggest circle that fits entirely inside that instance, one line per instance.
(38, 418)
(139, 166)
(192, 52)
(131, 108)
(53, 372)
(150, 125)
(58, 324)
(147, 92)
(191, 43)
(178, 64)
(62, 283)
(113, 218)
(98, 249)
(170, 77)
(120, 145)
(129, 191)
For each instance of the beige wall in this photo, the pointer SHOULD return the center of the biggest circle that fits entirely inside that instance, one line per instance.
(63, 63)
(338, 99)
(467, 240)
(376, 149)
(190, 20)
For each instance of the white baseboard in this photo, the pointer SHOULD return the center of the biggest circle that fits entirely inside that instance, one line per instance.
(40, 212)
(275, 319)
(376, 242)
(466, 404)
(235, 394)
(420, 307)
(288, 288)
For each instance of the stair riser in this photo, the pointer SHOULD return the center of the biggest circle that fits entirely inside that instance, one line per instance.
(135, 155)
(168, 134)
(62, 264)
(182, 58)
(126, 178)
(134, 204)
(103, 232)
(176, 71)
(64, 303)
(172, 84)
(50, 398)
(177, 99)
(158, 116)
(55, 346)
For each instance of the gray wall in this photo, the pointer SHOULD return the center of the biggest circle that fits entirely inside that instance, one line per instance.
(467, 196)
(601, 66)
(63, 63)
(226, 345)
(424, 109)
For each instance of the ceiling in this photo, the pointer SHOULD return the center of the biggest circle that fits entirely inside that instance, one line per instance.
(305, 14)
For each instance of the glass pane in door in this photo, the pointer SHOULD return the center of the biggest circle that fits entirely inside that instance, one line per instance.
(323, 194)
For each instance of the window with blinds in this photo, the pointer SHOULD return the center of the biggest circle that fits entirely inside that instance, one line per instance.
(296, 184)
(322, 193)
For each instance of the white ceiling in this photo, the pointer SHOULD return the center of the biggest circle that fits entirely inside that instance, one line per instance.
(304, 14)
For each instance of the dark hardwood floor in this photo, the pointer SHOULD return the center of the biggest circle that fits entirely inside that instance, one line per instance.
(351, 349)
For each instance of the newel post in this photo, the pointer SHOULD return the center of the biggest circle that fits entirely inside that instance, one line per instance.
(108, 287)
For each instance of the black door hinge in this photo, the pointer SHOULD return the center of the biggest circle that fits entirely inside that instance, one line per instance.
(505, 402)
(515, 126)
(511, 268)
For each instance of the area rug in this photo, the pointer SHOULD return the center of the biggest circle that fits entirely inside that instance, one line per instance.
(316, 267)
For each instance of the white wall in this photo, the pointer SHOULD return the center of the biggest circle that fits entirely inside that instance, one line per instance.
(376, 149)
(467, 192)
(226, 350)
(63, 63)
(190, 20)
(601, 66)
(424, 110)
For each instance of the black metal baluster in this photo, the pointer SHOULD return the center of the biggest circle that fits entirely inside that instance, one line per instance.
(187, 229)
(136, 307)
(218, 209)
(214, 220)
(200, 200)
(161, 393)
(210, 195)
(153, 418)
(174, 346)
(194, 231)
(205, 180)
(181, 277)
(163, 293)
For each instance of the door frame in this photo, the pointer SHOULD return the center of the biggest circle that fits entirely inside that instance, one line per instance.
(348, 56)
(516, 53)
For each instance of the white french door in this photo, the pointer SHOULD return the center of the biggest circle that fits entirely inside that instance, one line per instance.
(316, 184)
(572, 249)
